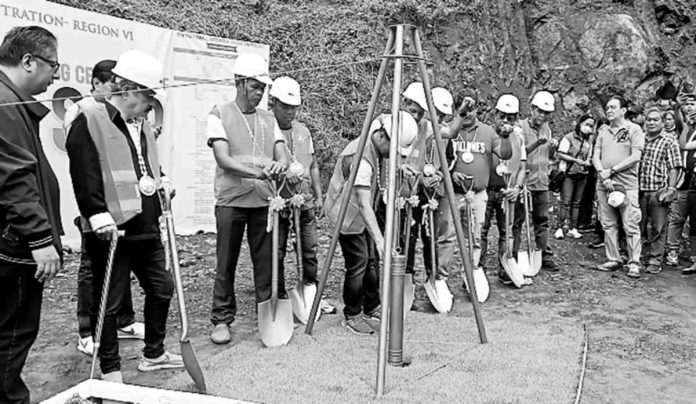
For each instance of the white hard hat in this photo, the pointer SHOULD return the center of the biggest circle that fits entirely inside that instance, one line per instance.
(416, 93)
(545, 101)
(443, 100)
(141, 68)
(286, 90)
(617, 197)
(409, 130)
(508, 104)
(252, 66)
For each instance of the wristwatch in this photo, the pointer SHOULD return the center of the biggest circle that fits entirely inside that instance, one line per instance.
(612, 171)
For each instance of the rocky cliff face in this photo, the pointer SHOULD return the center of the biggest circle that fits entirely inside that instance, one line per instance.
(581, 50)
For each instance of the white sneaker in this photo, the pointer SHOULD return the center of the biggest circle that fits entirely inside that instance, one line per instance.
(326, 307)
(558, 234)
(575, 234)
(85, 345)
(168, 360)
(133, 331)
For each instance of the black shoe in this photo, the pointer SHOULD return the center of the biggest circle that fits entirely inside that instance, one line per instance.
(597, 242)
(547, 264)
(503, 277)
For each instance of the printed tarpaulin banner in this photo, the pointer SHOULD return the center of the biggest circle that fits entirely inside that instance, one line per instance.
(198, 67)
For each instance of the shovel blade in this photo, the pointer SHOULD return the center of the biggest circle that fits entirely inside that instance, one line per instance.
(483, 289)
(409, 293)
(192, 366)
(513, 272)
(524, 263)
(430, 291)
(302, 302)
(275, 327)
(535, 263)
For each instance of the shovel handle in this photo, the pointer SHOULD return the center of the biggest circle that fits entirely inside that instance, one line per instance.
(433, 244)
(526, 195)
(274, 262)
(407, 225)
(298, 244)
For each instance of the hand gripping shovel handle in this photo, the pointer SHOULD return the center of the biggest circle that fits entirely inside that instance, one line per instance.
(104, 299)
(298, 252)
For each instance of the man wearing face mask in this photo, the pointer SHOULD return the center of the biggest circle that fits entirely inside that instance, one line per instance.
(30, 224)
(659, 166)
(102, 87)
(249, 154)
(470, 155)
(540, 148)
(116, 178)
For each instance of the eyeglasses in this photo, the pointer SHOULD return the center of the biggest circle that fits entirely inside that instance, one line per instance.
(53, 64)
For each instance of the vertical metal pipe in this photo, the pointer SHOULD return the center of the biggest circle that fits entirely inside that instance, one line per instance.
(396, 316)
(456, 219)
(348, 189)
(391, 206)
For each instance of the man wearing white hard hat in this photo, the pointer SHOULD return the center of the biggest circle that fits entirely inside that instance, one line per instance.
(361, 238)
(102, 88)
(540, 147)
(617, 153)
(116, 177)
(499, 191)
(470, 155)
(302, 186)
(250, 154)
(429, 190)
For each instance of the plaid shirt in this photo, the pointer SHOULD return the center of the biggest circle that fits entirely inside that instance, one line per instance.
(660, 155)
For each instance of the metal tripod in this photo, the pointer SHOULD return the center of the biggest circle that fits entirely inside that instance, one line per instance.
(395, 50)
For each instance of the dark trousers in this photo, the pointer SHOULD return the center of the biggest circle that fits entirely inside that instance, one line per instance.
(419, 229)
(308, 240)
(361, 285)
(147, 261)
(539, 207)
(494, 209)
(231, 223)
(572, 191)
(20, 308)
(588, 198)
(125, 315)
(655, 213)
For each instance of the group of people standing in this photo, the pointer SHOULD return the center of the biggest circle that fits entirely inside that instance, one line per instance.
(266, 164)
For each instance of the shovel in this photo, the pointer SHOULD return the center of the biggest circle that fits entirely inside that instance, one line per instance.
(508, 261)
(533, 255)
(480, 280)
(187, 352)
(275, 315)
(409, 286)
(300, 295)
(102, 303)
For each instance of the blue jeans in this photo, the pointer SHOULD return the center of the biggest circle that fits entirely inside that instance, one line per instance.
(147, 261)
(572, 192)
(308, 240)
(361, 284)
(656, 213)
(20, 309)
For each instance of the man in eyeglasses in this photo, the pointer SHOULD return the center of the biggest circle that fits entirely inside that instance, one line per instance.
(30, 224)
(102, 89)
(116, 178)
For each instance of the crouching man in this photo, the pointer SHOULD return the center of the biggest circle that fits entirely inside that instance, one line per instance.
(360, 231)
(116, 178)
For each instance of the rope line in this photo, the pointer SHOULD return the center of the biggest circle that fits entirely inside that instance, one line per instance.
(227, 81)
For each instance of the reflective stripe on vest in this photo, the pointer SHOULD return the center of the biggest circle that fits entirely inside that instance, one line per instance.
(121, 191)
(228, 186)
(353, 222)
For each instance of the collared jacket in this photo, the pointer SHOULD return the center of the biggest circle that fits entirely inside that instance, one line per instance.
(29, 192)
(88, 182)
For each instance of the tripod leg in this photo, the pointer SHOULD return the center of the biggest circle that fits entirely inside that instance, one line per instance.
(345, 196)
(448, 186)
